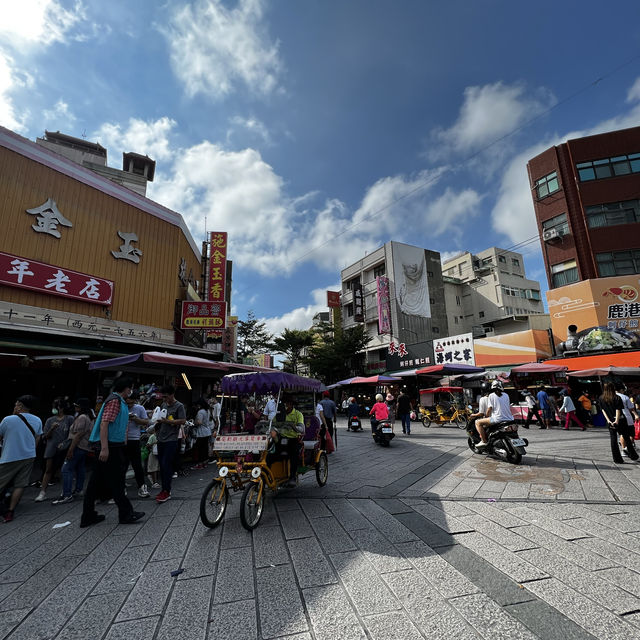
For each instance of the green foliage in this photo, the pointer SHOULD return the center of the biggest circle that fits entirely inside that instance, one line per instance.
(253, 337)
(291, 344)
(337, 355)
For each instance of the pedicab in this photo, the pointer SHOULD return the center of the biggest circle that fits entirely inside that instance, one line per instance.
(253, 463)
(443, 405)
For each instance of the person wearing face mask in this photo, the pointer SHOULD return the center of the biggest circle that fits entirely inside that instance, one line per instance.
(56, 431)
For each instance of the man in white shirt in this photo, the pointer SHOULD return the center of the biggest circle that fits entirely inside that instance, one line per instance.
(498, 411)
(271, 408)
(630, 414)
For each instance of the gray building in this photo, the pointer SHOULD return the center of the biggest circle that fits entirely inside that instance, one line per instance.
(415, 313)
(489, 294)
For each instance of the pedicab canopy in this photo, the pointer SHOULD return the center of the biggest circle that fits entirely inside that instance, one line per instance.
(268, 381)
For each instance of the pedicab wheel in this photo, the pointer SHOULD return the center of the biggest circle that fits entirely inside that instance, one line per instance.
(426, 421)
(322, 470)
(213, 503)
(461, 422)
(252, 505)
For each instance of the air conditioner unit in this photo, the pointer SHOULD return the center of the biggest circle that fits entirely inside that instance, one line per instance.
(551, 234)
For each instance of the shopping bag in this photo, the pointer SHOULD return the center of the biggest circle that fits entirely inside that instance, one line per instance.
(637, 426)
(329, 446)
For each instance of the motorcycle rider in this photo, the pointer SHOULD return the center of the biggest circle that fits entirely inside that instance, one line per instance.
(499, 410)
(483, 404)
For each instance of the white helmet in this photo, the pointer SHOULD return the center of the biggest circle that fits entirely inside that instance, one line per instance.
(496, 384)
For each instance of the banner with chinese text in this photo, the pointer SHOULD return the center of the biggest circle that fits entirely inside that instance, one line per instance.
(333, 299)
(454, 350)
(203, 315)
(384, 308)
(45, 278)
(217, 266)
(605, 311)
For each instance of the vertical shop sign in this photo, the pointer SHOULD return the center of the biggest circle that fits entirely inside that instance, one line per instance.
(384, 309)
(217, 266)
(358, 303)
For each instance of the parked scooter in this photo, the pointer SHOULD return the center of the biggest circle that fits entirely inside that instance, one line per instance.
(354, 424)
(383, 433)
(503, 440)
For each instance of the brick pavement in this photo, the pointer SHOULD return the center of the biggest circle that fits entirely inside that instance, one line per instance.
(421, 540)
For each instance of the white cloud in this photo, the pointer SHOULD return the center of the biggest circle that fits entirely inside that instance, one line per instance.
(38, 22)
(251, 126)
(147, 138)
(513, 213)
(301, 317)
(213, 48)
(633, 94)
(59, 115)
(8, 82)
(488, 113)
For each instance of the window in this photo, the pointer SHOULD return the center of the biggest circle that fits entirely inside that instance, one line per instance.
(481, 314)
(515, 262)
(501, 259)
(455, 319)
(435, 330)
(612, 213)
(532, 294)
(349, 310)
(609, 167)
(486, 261)
(564, 273)
(350, 283)
(547, 185)
(618, 263)
(379, 270)
(432, 301)
(458, 300)
(559, 223)
(429, 274)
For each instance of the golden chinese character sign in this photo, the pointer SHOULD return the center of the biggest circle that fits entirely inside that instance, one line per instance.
(606, 312)
(203, 315)
(217, 266)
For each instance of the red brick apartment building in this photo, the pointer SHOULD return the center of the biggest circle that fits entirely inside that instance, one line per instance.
(586, 196)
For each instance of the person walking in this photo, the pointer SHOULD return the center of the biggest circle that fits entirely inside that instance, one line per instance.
(109, 434)
(404, 412)
(167, 431)
(532, 410)
(611, 406)
(629, 414)
(584, 406)
(569, 409)
(56, 431)
(545, 407)
(137, 420)
(330, 412)
(74, 464)
(19, 433)
(202, 434)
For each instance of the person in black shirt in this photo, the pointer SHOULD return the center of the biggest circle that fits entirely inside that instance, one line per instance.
(404, 412)
(611, 406)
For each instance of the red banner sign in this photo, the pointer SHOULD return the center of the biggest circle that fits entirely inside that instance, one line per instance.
(217, 266)
(203, 315)
(333, 299)
(45, 278)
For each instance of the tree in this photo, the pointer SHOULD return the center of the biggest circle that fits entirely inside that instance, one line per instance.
(337, 354)
(253, 336)
(291, 344)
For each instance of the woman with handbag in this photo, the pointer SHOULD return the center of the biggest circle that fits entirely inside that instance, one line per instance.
(56, 432)
(77, 447)
(612, 410)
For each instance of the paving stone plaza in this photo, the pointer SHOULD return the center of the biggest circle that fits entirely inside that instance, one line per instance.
(421, 540)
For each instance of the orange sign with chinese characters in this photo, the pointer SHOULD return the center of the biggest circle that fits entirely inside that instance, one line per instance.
(217, 266)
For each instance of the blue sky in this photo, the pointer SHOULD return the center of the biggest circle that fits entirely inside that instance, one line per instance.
(313, 131)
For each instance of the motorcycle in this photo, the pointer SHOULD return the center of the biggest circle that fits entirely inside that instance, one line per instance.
(503, 440)
(354, 424)
(383, 433)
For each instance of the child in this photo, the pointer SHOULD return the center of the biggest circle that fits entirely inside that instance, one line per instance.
(152, 463)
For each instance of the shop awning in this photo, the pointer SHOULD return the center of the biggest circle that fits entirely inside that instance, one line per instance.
(448, 370)
(157, 360)
(541, 367)
(618, 359)
(605, 371)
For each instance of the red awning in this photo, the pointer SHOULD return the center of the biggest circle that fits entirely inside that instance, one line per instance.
(619, 359)
(555, 366)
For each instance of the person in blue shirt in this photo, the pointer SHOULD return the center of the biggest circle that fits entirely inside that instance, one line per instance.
(20, 433)
(545, 407)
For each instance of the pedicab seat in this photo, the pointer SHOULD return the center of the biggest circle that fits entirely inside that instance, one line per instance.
(311, 430)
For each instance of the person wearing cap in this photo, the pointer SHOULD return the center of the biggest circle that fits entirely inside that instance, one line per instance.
(19, 433)
(109, 434)
(329, 411)
(498, 411)
(74, 464)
